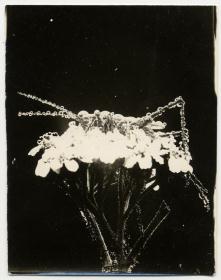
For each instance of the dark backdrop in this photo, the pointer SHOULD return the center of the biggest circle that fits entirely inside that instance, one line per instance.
(123, 59)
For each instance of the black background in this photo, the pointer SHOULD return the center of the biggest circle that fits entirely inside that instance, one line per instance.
(123, 59)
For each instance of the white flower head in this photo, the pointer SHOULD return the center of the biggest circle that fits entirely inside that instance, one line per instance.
(107, 137)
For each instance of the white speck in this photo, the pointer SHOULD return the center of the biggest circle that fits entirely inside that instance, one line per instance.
(84, 218)
(13, 34)
(115, 96)
(116, 69)
(183, 225)
(180, 265)
(51, 19)
(13, 161)
(156, 188)
(153, 172)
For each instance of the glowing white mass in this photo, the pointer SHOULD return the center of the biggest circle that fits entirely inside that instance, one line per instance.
(107, 137)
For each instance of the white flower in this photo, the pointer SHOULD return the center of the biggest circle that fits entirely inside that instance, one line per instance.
(83, 114)
(145, 161)
(156, 151)
(104, 114)
(70, 152)
(179, 163)
(125, 141)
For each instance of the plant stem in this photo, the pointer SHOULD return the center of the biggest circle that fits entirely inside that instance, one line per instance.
(160, 215)
(108, 260)
(131, 208)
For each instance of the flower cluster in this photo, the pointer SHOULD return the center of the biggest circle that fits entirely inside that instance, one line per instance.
(107, 137)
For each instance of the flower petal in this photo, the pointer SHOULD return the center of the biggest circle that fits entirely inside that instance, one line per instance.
(71, 165)
(158, 125)
(177, 165)
(173, 166)
(34, 150)
(42, 168)
(158, 159)
(56, 165)
(57, 171)
(130, 162)
(145, 162)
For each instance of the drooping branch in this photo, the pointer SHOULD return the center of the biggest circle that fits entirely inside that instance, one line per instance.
(202, 191)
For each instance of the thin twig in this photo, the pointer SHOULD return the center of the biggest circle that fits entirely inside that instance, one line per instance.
(138, 200)
(160, 215)
(101, 238)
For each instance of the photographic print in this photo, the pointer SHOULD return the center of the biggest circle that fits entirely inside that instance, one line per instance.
(111, 139)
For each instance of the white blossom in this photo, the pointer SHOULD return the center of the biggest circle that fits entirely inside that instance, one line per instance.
(125, 140)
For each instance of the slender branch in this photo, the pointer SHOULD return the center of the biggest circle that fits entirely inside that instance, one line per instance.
(101, 217)
(96, 209)
(202, 191)
(127, 201)
(118, 205)
(131, 209)
(92, 194)
(101, 238)
(88, 178)
(122, 222)
(160, 215)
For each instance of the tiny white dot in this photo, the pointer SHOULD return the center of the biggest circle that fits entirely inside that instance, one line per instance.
(156, 188)
(51, 19)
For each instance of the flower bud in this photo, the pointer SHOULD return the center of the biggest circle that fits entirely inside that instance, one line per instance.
(104, 114)
(97, 112)
(82, 114)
